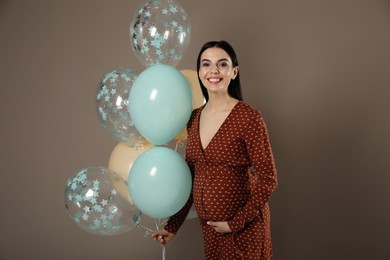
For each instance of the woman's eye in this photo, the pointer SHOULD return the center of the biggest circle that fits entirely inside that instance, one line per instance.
(223, 64)
(205, 64)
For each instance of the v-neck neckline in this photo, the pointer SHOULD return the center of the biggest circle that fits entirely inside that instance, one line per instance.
(218, 130)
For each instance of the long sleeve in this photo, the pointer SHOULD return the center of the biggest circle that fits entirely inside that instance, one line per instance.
(263, 166)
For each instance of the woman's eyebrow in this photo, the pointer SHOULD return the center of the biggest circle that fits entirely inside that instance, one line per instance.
(223, 59)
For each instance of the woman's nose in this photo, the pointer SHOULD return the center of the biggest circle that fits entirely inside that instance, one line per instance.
(214, 69)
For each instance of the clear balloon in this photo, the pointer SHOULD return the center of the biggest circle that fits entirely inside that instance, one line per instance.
(160, 32)
(112, 105)
(121, 160)
(160, 182)
(160, 103)
(96, 206)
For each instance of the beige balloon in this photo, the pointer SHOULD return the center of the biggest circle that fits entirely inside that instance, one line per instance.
(197, 96)
(121, 160)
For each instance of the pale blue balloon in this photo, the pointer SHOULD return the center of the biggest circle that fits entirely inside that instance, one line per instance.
(160, 182)
(160, 103)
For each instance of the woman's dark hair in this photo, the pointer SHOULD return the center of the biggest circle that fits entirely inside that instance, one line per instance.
(234, 88)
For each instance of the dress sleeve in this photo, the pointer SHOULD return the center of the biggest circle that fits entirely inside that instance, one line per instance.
(263, 167)
(175, 221)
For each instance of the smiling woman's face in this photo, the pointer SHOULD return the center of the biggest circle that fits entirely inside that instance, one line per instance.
(216, 70)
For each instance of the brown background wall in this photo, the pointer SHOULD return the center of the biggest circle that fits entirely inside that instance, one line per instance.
(318, 70)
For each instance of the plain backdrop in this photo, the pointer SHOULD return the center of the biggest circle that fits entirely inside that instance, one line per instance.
(319, 71)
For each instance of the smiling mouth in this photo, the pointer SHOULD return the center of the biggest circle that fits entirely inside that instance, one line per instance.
(215, 80)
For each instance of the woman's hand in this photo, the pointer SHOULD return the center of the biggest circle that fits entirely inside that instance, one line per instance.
(162, 236)
(221, 227)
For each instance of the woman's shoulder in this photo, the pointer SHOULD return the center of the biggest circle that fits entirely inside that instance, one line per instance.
(194, 115)
(250, 116)
(248, 109)
(196, 111)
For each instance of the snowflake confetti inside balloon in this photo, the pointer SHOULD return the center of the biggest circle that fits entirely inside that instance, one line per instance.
(112, 105)
(96, 206)
(160, 32)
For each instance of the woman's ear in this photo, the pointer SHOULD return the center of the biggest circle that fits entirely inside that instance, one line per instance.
(235, 72)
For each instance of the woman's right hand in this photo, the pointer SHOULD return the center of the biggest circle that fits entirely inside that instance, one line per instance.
(162, 236)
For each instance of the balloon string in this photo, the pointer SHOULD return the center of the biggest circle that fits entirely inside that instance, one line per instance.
(149, 231)
(178, 142)
(146, 228)
(158, 223)
(163, 253)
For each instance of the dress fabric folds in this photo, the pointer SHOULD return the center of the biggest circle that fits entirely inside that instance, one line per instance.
(233, 179)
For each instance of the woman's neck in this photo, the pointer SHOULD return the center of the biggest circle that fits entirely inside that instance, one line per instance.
(220, 103)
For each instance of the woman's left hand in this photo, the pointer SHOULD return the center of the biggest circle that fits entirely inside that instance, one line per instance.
(221, 227)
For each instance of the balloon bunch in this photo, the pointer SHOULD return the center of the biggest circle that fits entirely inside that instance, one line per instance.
(144, 112)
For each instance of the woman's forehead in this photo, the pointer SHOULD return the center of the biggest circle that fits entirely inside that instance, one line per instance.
(215, 53)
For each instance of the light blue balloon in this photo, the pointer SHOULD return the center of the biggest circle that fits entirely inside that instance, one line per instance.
(160, 182)
(160, 103)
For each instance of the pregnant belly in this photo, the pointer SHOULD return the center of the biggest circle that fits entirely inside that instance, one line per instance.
(218, 196)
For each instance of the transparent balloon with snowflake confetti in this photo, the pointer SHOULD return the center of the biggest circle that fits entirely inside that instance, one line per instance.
(112, 105)
(160, 32)
(95, 205)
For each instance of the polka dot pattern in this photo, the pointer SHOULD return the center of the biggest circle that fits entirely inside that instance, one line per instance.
(234, 177)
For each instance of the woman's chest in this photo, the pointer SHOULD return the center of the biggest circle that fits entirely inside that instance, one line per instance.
(209, 124)
(226, 146)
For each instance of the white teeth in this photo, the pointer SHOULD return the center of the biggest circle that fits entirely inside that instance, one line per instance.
(214, 80)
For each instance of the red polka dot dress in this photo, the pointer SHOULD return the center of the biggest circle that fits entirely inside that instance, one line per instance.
(224, 191)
